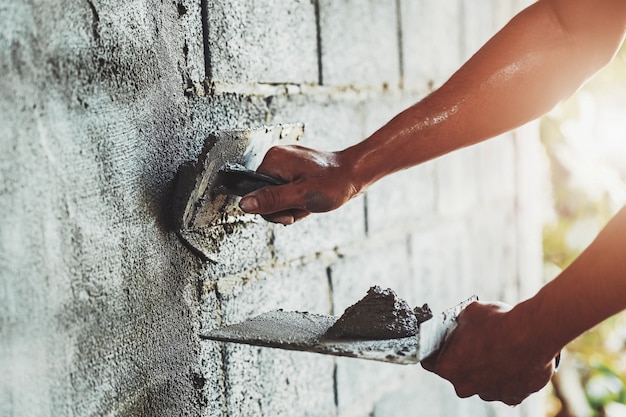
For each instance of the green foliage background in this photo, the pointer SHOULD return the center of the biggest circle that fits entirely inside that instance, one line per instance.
(587, 189)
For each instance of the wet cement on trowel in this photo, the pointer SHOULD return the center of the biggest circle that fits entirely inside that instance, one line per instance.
(393, 341)
(381, 314)
(303, 331)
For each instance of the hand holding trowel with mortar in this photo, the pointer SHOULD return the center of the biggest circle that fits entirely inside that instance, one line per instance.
(538, 59)
(383, 327)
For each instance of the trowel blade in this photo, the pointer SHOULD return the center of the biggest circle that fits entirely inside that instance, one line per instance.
(200, 213)
(294, 330)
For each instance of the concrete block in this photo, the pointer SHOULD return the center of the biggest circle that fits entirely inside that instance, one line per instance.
(208, 374)
(359, 43)
(333, 121)
(479, 24)
(431, 42)
(401, 200)
(265, 41)
(496, 178)
(321, 232)
(441, 264)
(386, 264)
(228, 111)
(361, 383)
(272, 382)
(190, 16)
(238, 247)
(457, 189)
(300, 287)
(420, 393)
(261, 382)
(495, 257)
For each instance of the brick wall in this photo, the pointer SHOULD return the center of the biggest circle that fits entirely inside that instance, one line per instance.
(101, 104)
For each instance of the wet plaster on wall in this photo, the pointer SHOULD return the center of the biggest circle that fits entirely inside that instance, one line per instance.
(254, 41)
(99, 310)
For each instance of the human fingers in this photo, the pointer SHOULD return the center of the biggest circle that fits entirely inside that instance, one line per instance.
(286, 217)
(269, 200)
(513, 390)
(310, 196)
(430, 363)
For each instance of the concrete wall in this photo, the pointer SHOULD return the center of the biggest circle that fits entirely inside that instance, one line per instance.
(102, 101)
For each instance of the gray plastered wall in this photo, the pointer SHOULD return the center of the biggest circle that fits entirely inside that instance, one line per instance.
(103, 101)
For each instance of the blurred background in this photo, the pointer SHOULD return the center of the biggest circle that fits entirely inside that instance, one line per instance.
(585, 143)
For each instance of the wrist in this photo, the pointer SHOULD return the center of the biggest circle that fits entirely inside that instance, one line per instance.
(539, 329)
(366, 162)
(355, 166)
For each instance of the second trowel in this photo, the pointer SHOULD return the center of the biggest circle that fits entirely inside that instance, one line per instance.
(293, 330)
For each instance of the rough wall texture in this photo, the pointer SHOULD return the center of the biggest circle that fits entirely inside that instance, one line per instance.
(102, 101)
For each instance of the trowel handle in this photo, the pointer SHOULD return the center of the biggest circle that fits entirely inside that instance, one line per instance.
(235, 179)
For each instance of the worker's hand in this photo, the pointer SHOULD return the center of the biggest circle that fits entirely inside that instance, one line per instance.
(317, 182)
(494, 354)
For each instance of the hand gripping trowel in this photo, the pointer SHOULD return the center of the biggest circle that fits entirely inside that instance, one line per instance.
(225, 169)
(293, 330)
(204, 200)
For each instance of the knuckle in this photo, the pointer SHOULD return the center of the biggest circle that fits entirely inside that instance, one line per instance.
(272, 153)
(272, 156)
(464, 392)
(269, 199)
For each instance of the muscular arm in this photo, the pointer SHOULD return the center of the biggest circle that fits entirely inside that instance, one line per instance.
(539, 58)
(587, 292)
(506, 354)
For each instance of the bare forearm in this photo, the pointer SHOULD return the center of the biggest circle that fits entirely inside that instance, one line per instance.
(590, 290)
(539, 58)
(534, 62)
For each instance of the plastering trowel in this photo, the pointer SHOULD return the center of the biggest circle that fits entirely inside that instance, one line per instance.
(206, 190)
(293, 330)
(236, 179)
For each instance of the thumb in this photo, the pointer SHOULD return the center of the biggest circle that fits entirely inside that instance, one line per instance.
(270, 200)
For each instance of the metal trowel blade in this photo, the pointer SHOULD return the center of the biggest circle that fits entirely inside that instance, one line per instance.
(294, 330)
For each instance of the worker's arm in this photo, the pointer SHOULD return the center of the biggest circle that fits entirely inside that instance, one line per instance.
(539, 58)
(506, 355)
